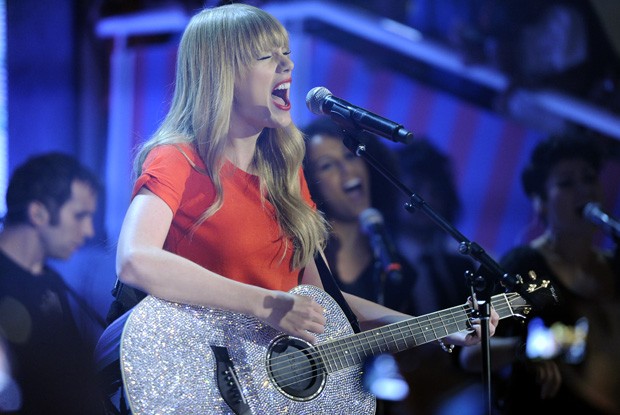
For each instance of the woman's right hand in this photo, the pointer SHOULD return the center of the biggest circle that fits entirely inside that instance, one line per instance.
(296, 315)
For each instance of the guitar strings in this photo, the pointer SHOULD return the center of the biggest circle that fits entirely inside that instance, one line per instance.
(332, 348)
(332, 351)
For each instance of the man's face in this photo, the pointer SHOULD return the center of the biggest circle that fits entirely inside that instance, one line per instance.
(75, 223)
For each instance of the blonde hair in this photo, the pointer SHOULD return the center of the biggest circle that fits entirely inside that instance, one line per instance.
(217, 45)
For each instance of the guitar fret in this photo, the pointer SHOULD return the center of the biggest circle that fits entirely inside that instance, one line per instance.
(408, 335)
(454, 325)
(340, 355)
(342, 358)
(323, 351)
(395, 341)
(428, 332)
(402, 340)
(376, 349)
(351, 358)
(376, 338)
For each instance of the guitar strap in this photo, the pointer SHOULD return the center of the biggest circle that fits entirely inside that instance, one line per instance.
(331, 287)
(125, 297)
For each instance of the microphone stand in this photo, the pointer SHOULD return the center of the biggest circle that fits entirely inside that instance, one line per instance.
(482, 282)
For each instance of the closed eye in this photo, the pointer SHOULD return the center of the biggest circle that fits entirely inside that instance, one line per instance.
(324, 165)
(262, 58)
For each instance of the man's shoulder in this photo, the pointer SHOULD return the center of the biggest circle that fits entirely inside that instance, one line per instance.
(15, 279)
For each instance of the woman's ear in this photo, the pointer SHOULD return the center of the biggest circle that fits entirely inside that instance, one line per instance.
(37, 214)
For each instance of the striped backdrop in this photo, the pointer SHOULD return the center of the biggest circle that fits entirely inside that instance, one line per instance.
(487, 149)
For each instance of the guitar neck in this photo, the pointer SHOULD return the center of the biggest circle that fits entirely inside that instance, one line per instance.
(404, 335)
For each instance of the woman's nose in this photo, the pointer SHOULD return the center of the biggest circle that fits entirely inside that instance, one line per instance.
(286, 64)
(346, 168)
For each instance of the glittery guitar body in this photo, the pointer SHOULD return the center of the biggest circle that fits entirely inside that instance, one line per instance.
(180, 359)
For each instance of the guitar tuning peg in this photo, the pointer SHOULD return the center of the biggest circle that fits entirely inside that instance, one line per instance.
(531, 288)
(532, 275)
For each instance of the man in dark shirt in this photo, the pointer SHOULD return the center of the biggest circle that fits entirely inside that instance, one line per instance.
(51, 200)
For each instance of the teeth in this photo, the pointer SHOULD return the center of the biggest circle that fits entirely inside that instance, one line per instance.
(285, 85)
(350, 184)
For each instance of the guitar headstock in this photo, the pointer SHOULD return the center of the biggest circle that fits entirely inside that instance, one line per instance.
(532, 293)
(537, 292)
(518, 306)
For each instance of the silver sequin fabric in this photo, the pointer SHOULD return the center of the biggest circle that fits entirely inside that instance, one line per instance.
(168, 366)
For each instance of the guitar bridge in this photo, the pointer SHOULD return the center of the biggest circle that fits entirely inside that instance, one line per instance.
(228, 382)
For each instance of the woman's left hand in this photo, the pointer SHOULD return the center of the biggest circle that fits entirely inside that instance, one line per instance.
(473, 336)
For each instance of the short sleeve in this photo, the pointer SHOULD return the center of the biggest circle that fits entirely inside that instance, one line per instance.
(165, 172)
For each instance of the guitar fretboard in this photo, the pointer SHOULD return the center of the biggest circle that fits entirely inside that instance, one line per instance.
(404, 335)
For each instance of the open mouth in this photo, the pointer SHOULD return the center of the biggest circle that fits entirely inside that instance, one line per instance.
(353, 185)
(280, 95)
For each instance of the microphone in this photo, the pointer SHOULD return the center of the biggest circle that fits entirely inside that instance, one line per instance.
(593, 212)
(320, 101)
(372, 225)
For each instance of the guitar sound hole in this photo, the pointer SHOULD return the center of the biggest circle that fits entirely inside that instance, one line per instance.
(295, 368)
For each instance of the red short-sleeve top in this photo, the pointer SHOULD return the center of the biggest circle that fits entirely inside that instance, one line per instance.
(240, 241)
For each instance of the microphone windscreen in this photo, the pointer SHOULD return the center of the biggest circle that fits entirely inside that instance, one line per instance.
(370, 217)
(591, 210)
(315, 98)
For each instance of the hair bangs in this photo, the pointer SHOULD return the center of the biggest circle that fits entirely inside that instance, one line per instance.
(257, 32)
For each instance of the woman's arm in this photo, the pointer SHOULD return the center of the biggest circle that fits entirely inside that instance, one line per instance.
(142, 262)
